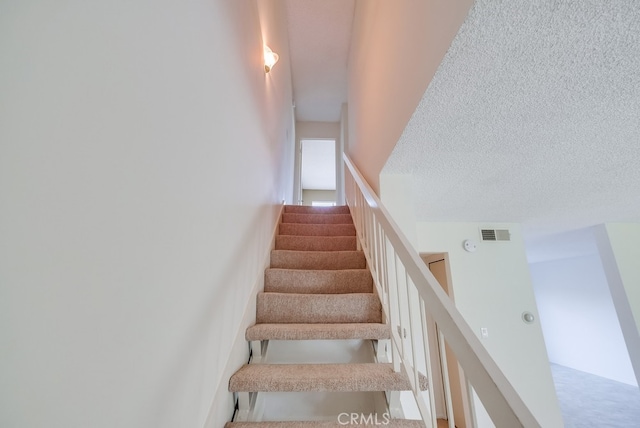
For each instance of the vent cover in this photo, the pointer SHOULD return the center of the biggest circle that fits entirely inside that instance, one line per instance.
(495, 234)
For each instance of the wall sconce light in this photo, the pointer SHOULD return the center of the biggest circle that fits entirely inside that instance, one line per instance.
(270, 58)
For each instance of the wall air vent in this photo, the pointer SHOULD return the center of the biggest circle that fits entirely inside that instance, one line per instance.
(495, 234)
(488, 234)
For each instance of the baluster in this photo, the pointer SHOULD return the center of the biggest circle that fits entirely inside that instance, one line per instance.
(427, 360)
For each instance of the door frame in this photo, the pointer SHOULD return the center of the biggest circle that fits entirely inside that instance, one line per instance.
(298, 190)
(461, 400)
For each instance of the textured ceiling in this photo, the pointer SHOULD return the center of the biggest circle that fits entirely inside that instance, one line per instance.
(319, 38)
(533, 117)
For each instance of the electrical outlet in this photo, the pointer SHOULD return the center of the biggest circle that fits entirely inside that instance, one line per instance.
(485, 332)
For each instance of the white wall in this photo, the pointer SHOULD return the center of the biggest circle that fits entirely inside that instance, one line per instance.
(342, 146)
(578, 318)
(617, 243)
(308, 196)
(396, 48)
(396, 195)
(142, 158)
(317, 130)
(314, 131)
(492, 289)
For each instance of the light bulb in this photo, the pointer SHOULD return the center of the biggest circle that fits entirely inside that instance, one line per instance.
(270, 58)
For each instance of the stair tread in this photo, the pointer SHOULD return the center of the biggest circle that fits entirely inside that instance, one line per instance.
(381, 421)
(317, 218)
(338, 209)
(371, 331)
(310, 229)
(316, 243)
(309, 260)
(318, 281)
(286, 308)
(360, 377)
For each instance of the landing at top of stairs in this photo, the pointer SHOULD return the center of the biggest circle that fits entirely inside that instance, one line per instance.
(305, 209)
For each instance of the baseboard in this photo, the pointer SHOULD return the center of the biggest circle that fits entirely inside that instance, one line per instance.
(222, 406)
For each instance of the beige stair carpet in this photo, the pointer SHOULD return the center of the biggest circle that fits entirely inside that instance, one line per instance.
(318, 281)
(274, 308)
(306, 229)
(318, 287)
(305, 209)
(362, 377)
(381, 422)
(317, 218)
(316, 260)
(345, 331)
(316, 243)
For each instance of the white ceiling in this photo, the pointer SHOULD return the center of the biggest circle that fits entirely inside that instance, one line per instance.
(319, 38)
(533, 116)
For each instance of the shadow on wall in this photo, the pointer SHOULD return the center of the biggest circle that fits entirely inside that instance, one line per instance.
(214, 346)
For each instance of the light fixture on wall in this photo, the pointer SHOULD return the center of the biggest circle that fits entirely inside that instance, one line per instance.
(270, 58)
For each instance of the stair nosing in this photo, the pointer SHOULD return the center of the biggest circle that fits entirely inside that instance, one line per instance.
(313, 331)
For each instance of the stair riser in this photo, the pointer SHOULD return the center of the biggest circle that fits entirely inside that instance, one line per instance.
(276, 308)
(316, 243)
(329, 260)
(362, 331)
(317, 218)
(318, 281)
(305, 209)
(303, 229)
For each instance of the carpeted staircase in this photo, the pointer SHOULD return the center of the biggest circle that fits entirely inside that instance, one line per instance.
(318, 287)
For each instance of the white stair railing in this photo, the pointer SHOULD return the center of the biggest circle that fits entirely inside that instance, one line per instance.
(410, 297)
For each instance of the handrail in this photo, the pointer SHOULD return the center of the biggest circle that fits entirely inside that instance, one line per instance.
(391, 257)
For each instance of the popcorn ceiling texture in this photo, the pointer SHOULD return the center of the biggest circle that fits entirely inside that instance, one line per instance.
(533, 117)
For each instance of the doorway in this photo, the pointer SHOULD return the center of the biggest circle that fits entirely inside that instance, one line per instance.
(439, 266)
(317, 172)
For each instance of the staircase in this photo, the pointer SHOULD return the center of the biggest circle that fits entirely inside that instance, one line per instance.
(318, 287)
